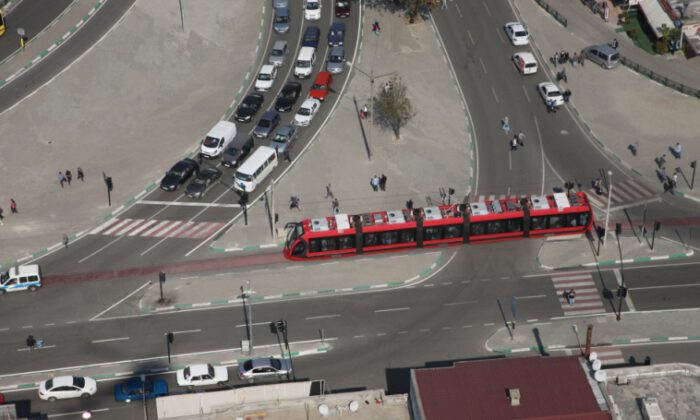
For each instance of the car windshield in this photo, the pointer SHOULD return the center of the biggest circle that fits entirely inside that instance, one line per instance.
(276, 53)
(173, 172)
(276, 364)
(312, 5)
(264, 76)
(554, 93)
(521, 33)
(199, 181)
(280, 19)
(280, 138)
(232, 151)
(264, 123)
(243, 177)
(288, 93)
(318, 87)
(211, 142)
(248, 365)
(304, 111)
(335, 59)
(79, 381)
(303, 63)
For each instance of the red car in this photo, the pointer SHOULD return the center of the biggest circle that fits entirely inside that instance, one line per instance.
(321, 86)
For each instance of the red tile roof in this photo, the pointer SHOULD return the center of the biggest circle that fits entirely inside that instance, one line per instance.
(550, 388)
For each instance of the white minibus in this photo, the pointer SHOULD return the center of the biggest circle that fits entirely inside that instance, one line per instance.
(255, 169)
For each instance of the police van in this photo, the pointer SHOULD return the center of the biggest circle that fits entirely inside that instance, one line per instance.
(23, 277)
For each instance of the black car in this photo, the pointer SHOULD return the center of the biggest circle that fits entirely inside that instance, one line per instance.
(311, 37)
(236, 152)
(201, 184)
(178, 174)
(288, 97)
(249, 106)
(342, 8)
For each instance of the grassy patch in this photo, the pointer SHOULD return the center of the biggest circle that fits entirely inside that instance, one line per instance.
(639, 33)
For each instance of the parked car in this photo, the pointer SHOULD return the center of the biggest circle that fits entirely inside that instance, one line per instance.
(201, 375)
(288, 96)
(550, 92)
(179, 174)
(311, 37)
(203, 182)
(342, 8)
(135, 389)
(237, 152)
(249, 106)
(525, 62)
(312, 9)
(284, 138)
(307, 111)
(265, 78)
(322, 85)
(265, 367)
(278, 53)
(281, 20)
(336, 60)
(517, 33)
(604, 55)
(336, 34)
(267, 124)
(63, 387)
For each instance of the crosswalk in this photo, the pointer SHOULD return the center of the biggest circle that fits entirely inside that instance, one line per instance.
(154, 228)
(587, 296)
(625, 192)
(609, 355)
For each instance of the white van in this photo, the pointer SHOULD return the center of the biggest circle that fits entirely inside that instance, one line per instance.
(255, 169)
(305, 62)
(24, 277)
(218, 138)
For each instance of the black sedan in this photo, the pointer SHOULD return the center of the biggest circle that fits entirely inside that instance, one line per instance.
(249, 106)
(179, 174)
(201, 184)
(288, 97)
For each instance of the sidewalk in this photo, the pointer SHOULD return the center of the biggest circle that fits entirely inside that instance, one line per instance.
(432, 152)
(620, 107)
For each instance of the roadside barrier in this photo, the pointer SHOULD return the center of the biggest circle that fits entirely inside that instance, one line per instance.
(680, 87)
(549, 9)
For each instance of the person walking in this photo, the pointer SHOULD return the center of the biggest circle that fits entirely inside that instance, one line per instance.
(674, 179)
(514, 143)
(614, 44)
(335, 206)
(364, 111)
(598, 186)
(382, 183)
(287, 156)
(329, 193)
(571, 296)
(409, 204)
(376, 28)
(294, 203)
(505, 124)
(677, 150)
(2, 217)
(374, 182)
(61, 179)
(69, 176)
(81, 174)
(13, 206)
(521, 138)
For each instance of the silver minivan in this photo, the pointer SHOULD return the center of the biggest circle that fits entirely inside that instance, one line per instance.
(278, 54)
(604, 55)
(281, 21)
(336, 60)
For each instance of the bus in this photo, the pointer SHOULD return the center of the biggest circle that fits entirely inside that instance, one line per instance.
(255, 169)
(484, 221)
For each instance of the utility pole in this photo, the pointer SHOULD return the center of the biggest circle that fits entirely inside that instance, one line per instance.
(607, 212)
(249, 313)
(372, 78)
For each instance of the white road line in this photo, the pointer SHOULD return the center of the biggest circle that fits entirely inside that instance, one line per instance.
(530, 297)
(103, 226)
(142, 227)
(495, 96)
(77, 413)
(483, 66)
(128, 227)
(405, 308)
(37, 348)
(471, 38)
(156, 227)
(107, 340)
(465, 302)
(490, 324)
(358, 336)
(669, 286)
(487, 8)
(183, 227)
(119, 301)
(116, 227)
(171, 226)
(187, 331)
(527, 95)
(187, 204)
(253, 324)
(322, 317)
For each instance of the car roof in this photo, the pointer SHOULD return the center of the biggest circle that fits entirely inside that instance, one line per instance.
(285, 129)
(295, 85)
(526, 56)
(279, 44)
(254, 95)
(269, 114)
(308, 102)
(337, 51)
(267, 68)
(199, 369)
(210, 170)
(338, 25)
(24, 270)
(62, 381)
(312, 30)
(184, 163)
(516, 26)
(604, 48)
(282, 11)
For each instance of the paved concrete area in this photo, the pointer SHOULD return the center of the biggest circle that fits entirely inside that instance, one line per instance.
(433, 151)
(130, 107)
(621, 107)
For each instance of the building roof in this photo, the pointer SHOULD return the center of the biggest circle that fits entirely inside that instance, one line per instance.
(550, 387)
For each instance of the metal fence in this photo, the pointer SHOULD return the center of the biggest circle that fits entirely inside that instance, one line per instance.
(561, 19)
(659, 78)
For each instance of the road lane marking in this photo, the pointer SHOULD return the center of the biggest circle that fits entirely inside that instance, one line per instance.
(107, 340)
(103, 226)
(490, 324)
(117, 226)
(493, 90)
(530, 297)
(37, 348)
(527, 95)
(156, 227)
(143, 227)
(669, 286)
(471, 38)
(487, 8)
(358, 336)
(253, 324)
(483, 66)
(187, 331)
(405, 308)
(322, 317)
(99, 250)
(464, 302)
(119, 301)
(77, 413)
(187, 204)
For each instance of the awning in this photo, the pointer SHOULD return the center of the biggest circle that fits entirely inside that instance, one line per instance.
(656, 16)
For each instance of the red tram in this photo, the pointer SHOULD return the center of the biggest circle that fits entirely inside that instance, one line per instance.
(484, 221)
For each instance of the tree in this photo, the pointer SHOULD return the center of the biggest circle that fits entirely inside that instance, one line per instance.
(393, 106)
(414, 6)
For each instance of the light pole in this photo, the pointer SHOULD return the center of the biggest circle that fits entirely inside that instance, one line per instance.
(607, 212)
(372, 78)
(622, 290)
(249, 314)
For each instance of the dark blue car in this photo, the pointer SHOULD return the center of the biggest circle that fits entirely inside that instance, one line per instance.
(336, 35)
(136, 389)
(311, 37)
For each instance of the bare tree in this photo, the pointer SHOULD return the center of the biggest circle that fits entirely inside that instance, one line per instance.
(393, 106)
(414, 7)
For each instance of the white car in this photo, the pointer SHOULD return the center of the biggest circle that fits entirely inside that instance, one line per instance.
(62, 387)
(266, 78)
(550, 92)
(312, 9)
(201, 375)
(525, 62)
(306, 112)
(517, 32)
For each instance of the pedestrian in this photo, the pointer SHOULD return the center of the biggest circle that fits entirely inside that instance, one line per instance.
(634, 148)
(61, 179)
(2, 217)
(571, 296)
(69, 176)
(409, 204)
(329, 193)
(287, 156)
(677, 149)
(514, 143)
(382, 183)
(551, 106)
(31, 342)
(521, 138)
(566, 95)
(444, 4)
(661, 160)
(81, 174)
(364, 112)
(663, 175)
(335, 205)
(674, 179)
(581, 58)
(614, 44)
(374, 182)
(606, 11)
(598, 186)
(376, 28)
(294, 203)
(13, 206)
(505, 124)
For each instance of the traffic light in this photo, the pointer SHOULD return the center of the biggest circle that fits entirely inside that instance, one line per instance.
(622, 292)
(161, 277)
(618, 229)
(171, 337)
(110, 185)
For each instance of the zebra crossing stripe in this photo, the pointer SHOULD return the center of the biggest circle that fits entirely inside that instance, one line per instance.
(155, 228)
(129, 227)
(619, 193)
(208, 231)
(170, 226)
(142, 227)
(182, 227)
(116, 227)
(103, 226)
(642, 189)
(192, 233)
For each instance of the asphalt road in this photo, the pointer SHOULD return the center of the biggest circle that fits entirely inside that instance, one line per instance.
(32, 16)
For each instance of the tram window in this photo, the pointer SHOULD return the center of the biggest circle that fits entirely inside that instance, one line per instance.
(584, 219)
(389, 238)
(454, 231)
(538, 223)
(478, 229)
(433, 233)
(314, 245)
(299, 249)
(497, 226)
(556, 222)
(346, 242)
(514, 225)
(572, 220)
(371, 239)
(329, 244)
(408, 235)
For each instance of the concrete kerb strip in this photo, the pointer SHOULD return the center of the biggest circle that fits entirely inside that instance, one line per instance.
(7, 8)
(323, 348)
(606, 263)
(132, 200)
(293, 295)
(43, 54)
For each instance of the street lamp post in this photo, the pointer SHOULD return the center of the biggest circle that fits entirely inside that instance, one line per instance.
(622, 290)
(249, 314)
(372, 78)
(607, 212)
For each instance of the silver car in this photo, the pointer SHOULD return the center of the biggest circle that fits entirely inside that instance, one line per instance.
(281, 21)
(267, 124)
(278, 54)
(280, 3)
(284, 138)
(267, 367)
(336, 60)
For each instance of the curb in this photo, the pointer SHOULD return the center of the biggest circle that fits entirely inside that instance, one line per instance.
(613, 342)
(249, 247)
(292, 295)
(605, 263)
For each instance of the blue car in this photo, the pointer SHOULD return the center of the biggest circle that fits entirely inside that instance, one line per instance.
(135, 389)
(336, 35)
(311, 37)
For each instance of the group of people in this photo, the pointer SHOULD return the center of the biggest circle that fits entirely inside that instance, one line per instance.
(517, 140)
(562, 57)
(67, 176)
(378, 183)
